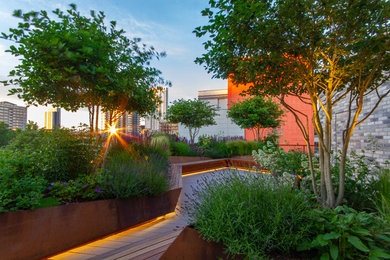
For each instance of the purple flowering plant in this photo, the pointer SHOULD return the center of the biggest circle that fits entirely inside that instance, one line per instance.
(87, 187)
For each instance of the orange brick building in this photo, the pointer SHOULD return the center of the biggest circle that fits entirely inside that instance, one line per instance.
(290, 135)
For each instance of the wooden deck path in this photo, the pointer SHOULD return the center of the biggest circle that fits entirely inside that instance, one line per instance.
(147, 241)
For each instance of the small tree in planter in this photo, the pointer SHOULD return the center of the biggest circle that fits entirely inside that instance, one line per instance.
(193, 114)
(256, 113)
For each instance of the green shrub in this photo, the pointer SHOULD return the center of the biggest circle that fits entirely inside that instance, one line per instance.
(87, 187)
(251, 215)
(361, 177)
(148, 176)
(278, 161)
(242, 147)
(6, 134)
(60, 155)
(344, 233)
(19, 163)
(180, 149)
(65, 156)
(20, 192)
(213, 147)
(382, 197)
(161, 141)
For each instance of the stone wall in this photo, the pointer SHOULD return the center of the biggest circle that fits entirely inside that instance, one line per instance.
(373, 135)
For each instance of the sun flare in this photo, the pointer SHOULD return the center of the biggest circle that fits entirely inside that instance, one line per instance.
(113, 130)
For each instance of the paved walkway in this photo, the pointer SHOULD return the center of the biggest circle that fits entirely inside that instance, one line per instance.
(148, 241)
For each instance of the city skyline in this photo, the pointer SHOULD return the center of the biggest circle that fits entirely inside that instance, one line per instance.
(166, 25)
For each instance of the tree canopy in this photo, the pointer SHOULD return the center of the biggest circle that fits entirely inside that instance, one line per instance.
(256, 113)
(331, 51)
(193, 114)
(73, 61)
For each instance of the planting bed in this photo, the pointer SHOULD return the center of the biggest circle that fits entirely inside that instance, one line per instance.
(33, 234)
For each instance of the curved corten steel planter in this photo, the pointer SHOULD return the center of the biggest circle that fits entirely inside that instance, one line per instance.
(34, 234)
(190, 246)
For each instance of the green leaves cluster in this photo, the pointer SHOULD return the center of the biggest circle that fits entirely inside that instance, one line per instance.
(256, 113)
(193, 114)
(347, 234)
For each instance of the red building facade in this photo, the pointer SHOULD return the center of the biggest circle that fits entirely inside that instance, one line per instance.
(290, 134)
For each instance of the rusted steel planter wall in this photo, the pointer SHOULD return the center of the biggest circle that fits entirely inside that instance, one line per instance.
(191, 167)
(33, 234)
(190, 246)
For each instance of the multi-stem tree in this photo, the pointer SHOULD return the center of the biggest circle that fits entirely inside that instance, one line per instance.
(323, 52)
(73, 61)
(193, 114)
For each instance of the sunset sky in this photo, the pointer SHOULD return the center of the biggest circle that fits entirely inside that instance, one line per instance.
(165, 24)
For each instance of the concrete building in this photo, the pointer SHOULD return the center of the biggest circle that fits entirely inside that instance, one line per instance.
(53, 118)
(224, 126)
(128, 123)
(13, 115)
(153, 122)
(167, 128)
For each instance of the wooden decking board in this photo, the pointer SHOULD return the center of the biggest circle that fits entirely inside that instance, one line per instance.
(136, 246)
(139, 254)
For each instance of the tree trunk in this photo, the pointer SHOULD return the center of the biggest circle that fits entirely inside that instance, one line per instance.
(97, 119)
(323, 186)
(191, 137)
(313, 180)
(327, 153)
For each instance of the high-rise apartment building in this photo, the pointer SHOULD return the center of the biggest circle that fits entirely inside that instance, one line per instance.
(53, 118)
(128, 123)
(13, 115)
(153, 122)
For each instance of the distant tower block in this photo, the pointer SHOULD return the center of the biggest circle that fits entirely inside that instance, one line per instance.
(13, 115)
(154, 121)
(128, 123)
(53, 118)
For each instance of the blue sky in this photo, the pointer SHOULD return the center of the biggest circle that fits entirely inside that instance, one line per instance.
(165, 24)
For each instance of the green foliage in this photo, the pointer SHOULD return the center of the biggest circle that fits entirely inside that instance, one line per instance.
(135, 177)
(256, 113)
(278, 161)
(242, 147)
(361, 177)
(74, 61)
(6, 134)
(20, 192)
(59, 155)
(160, 141)
(65, 156)
(347, 234)
(87, 187)
(193, 114)
(26, 139)
(278, 45)
(382, 197)
(251, 215)
(180, 149)
(212, 147)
